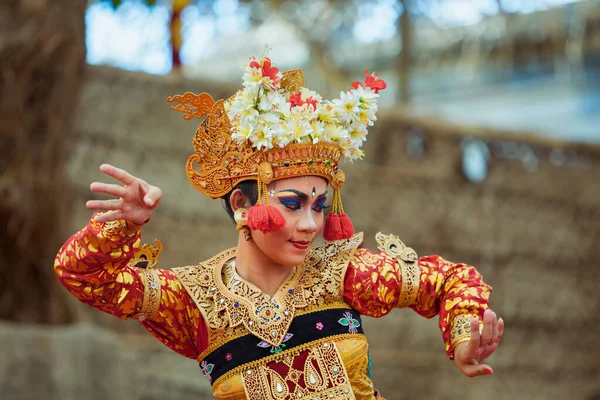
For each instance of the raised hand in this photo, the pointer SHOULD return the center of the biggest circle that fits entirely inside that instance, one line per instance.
(469, 356)
(136, 198)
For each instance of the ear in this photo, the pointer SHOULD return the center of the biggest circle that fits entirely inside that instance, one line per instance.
(238, 200)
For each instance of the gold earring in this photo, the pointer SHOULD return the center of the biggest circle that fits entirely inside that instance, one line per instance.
(241, 219)
(246, 231)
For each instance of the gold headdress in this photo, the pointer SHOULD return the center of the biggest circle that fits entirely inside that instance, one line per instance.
(275, 128)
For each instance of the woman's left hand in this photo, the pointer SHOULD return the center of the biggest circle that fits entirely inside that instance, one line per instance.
(469, 356)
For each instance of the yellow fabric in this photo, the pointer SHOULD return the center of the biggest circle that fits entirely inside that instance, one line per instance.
(354, 354)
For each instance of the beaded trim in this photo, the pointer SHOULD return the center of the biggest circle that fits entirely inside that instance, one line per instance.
(286, 353)
(216, 345)
(461, 329)
(152, 294)
(407, 258)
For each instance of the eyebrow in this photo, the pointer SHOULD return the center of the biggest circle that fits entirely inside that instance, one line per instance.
(300, 194)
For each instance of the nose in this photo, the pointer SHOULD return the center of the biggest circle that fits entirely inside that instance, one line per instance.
(306, 221)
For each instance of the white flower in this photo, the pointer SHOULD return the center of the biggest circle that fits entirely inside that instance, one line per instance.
(357, 135)
(242, 132)
(352, 154)
(318, 131)
(270, 118)
(366, 96)
(242, 105)
(300, 128)
(346, 107)
(325, 113)
(252, 77)
(336, 134)
(366, 117)
(262, 136)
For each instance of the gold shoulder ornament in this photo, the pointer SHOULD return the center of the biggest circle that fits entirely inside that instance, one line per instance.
(408, 261)
(145, 258)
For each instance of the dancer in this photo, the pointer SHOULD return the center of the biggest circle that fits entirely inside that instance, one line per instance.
(274, 318)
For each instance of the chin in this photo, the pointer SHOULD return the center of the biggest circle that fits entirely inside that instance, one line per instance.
(293, 260)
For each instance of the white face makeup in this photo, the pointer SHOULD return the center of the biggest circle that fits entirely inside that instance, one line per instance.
(301, 201)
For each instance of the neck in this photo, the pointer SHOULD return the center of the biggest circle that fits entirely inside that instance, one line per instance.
(255, 267)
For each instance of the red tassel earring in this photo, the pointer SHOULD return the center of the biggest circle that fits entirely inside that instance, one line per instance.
(338, 225)
(263, 216)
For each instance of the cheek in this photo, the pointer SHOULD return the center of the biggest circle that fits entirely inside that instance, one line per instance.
(320, 221)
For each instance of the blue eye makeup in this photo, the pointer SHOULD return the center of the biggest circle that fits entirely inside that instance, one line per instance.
(294, 203)
(291, 203)
(320, 205)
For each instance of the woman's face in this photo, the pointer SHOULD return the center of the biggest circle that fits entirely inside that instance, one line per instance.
(301, 201)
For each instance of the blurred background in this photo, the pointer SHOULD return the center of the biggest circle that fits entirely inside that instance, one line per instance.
(486, 151)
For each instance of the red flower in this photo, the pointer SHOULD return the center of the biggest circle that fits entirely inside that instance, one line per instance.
(371, 81)
(270, 71)
(266, 69)
(296, 99)
(254, 64)
(312, 101)
(228, 357)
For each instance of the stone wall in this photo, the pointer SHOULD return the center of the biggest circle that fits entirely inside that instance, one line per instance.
(88, 361)
(531, 228)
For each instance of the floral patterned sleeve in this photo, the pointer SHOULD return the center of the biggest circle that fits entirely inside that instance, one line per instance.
(377, 282)
(93, 266)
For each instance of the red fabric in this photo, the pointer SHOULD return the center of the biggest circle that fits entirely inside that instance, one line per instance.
(265, 218)
(373, 282)
(93, 266)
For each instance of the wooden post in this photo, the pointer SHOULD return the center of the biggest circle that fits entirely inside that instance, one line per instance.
(42, 64)
(405, 57)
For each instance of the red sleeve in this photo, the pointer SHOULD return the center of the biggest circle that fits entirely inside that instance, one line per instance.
(93, 266)
(376, 282)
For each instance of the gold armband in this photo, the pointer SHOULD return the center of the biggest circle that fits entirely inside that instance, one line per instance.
(151, 302)
(407, 259)
(461, 328)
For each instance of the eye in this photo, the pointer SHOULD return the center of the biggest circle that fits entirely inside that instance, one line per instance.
(290, 204)
(319, 207)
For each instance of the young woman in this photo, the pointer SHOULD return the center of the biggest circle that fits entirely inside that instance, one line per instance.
(274, 318)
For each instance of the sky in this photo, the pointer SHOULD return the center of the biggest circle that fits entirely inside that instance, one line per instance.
(136, 37)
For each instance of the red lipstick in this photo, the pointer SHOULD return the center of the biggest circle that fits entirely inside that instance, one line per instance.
(302, 245)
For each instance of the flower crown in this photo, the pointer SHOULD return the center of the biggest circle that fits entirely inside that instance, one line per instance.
(275, 128)
(268, 116)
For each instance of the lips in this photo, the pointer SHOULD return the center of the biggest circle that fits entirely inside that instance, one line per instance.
(300, 244)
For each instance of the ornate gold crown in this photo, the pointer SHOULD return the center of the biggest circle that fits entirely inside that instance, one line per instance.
(223, 163)
(275, 128)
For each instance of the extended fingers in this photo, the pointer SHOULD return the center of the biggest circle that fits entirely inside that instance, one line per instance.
(117, 173)
(500, 328)
(108, 188)
(489, 327)
(109, 216)
(112, 204)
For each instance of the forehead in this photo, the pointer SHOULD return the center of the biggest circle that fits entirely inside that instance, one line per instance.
(304, 184)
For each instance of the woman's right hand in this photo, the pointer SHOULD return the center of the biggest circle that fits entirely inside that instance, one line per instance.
(135, 201)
